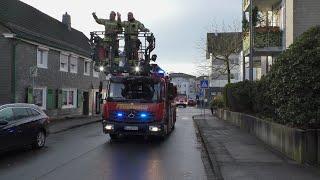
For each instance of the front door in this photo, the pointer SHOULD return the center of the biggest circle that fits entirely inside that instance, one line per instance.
(85, 103)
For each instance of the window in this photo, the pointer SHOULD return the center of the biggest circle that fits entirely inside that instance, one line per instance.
(69, 97)
(33, 112)
(40, 97)
(42, 58)
(143, 91)
(20, 113)
(236, 76)
(73, 64)
(64, 62)
(87, 68)
(95, 73)
(6, 114)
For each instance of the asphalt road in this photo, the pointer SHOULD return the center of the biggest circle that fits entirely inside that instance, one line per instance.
(87, 153)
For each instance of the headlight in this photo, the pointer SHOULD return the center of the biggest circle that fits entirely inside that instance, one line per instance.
(154, 128)
(109, 127)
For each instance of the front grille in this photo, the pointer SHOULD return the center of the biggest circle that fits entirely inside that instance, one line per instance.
(132, 116)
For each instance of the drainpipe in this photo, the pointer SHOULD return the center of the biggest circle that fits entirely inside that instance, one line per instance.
(243, 56)
(13, 71)
(251, 42)
(243, 67)
(11, 36)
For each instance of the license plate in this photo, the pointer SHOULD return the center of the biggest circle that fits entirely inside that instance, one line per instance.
(131, 128)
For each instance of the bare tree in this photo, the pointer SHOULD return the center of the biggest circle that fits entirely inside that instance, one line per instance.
(222, 43)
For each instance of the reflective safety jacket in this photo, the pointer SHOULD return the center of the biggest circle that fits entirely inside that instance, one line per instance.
(112, 28)
(132, 28)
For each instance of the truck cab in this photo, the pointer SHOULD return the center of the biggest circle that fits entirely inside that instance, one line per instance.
(139, 105)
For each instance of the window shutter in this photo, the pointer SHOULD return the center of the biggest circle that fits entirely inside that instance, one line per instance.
(50, 99)
(79, 98)
(59, 98)
(30, 95)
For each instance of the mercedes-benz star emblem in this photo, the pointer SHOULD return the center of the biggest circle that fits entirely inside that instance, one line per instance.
(131, 115)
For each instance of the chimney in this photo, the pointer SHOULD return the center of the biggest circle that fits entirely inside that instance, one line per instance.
(66, 19)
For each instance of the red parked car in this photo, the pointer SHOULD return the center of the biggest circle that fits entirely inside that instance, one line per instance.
(192, 102)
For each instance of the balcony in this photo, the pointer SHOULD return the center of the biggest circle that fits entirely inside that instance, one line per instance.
(261, 4)
(266, 40)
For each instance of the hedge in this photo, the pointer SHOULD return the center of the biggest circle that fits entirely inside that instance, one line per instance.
(290, 92)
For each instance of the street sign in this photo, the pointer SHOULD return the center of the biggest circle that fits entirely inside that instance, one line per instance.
(204, 84)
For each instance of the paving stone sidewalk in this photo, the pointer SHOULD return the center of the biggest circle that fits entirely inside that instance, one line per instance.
(237, 155)
(57, 126)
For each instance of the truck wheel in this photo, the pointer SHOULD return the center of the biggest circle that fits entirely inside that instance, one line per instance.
(114, 136)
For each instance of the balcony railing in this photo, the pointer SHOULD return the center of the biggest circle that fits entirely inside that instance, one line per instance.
(264, 37)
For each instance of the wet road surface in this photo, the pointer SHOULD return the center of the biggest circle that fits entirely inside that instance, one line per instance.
(87, 153)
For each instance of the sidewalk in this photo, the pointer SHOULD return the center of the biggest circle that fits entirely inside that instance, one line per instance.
(60, 125)
(237, 155)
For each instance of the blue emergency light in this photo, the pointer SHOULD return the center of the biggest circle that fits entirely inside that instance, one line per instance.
(119, 114)
(161, 72)
(143, 115)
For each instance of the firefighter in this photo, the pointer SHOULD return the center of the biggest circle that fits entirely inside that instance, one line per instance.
(131, 31)
(112, 29)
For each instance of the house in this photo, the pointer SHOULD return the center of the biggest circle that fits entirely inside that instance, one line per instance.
(278, 23)
(185, 83)
(218, 77)
(46, 62)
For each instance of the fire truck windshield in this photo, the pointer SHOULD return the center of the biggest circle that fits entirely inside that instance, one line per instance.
(140, 91)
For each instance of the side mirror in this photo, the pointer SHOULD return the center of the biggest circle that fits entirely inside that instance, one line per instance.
(3, 122)
(175, 91)
(172, 91)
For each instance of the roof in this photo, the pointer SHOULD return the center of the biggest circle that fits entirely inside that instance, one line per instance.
(19, 105)
(202, 78)
(31, 24)
(182, 75)
(222, 37)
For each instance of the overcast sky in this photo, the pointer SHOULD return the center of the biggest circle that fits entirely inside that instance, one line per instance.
(177, 24)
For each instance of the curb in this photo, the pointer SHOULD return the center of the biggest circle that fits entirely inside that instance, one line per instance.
(75, 126)
(212, 159)
(63, 118)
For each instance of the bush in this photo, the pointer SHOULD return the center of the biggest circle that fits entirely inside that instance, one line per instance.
(238, 96)
(217, 102)
(261, 100)
(295, 82)
(290, 93)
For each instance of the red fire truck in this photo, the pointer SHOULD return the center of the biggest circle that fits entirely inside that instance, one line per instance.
(140, 98)
(139, 105)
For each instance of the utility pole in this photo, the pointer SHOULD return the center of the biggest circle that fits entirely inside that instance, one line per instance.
(251, 42)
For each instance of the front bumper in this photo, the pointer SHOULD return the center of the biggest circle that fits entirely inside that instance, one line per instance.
(143, 128)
